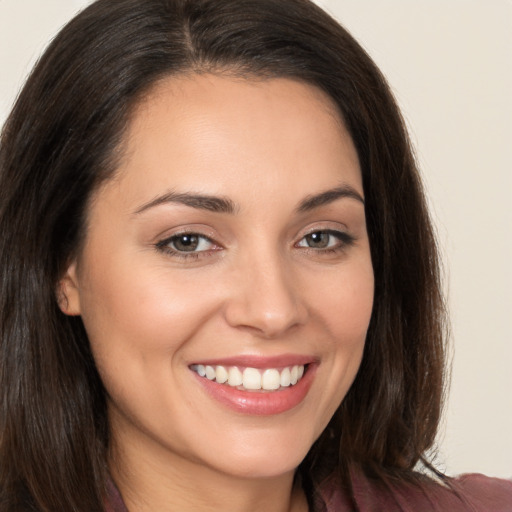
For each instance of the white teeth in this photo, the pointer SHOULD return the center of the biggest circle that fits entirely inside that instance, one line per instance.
(221, 375)
(210, 372)
(294, 375)
(286, 377)
(252, 379)
(235, 377)
(270, 379)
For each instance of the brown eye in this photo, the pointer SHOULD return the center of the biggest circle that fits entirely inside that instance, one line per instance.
(318, 240)
(188, 242)
(185, 243)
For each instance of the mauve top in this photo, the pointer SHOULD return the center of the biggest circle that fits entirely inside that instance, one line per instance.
(473, 493)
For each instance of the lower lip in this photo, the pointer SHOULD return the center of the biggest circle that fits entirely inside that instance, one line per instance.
(260, 403)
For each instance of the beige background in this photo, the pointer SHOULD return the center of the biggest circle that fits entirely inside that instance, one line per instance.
(450, 65)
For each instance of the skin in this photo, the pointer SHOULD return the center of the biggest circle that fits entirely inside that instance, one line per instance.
(255, 286)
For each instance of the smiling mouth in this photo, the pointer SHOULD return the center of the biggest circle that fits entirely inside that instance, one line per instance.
(252, 379)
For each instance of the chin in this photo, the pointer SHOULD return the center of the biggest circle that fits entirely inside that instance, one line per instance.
(264, 455)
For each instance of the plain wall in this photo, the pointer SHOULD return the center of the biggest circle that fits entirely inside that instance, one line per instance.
(449, 63)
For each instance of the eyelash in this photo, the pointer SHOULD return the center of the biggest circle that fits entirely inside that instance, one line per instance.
(165, 246)
(345, 240)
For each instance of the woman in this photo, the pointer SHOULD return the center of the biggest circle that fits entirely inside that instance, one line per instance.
(219, 279)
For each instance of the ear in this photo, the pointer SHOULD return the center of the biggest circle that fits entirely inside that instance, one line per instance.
(68, 292)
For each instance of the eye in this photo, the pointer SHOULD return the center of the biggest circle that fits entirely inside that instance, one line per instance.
(326, 239)
(190, 242)
(185, 244)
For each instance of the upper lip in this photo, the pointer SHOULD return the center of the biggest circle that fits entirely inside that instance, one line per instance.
(260, 362)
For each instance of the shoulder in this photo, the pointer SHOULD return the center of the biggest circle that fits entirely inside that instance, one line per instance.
(468, 493)
(114, 501)
(486, 493)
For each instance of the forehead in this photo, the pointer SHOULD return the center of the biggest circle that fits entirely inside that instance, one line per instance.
(206, 89)
(217, 133)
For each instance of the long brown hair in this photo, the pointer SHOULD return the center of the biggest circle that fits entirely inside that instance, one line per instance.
(62, 140)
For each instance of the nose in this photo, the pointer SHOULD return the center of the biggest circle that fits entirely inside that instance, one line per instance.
(265, 298)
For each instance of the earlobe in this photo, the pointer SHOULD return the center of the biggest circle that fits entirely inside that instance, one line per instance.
(68, 292)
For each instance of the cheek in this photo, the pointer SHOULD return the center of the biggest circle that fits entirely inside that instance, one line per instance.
(343, 309)
(139, 325)
(350, 326)
(345, 303)
(125, 295)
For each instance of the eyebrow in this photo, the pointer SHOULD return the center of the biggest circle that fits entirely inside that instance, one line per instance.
(329, 196)
(199, 201)
(225, 205)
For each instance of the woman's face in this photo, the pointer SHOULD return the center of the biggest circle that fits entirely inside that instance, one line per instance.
(228, 253)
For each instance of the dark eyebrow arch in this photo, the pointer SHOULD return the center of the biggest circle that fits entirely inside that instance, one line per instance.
(329, 196)
(199, 201)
